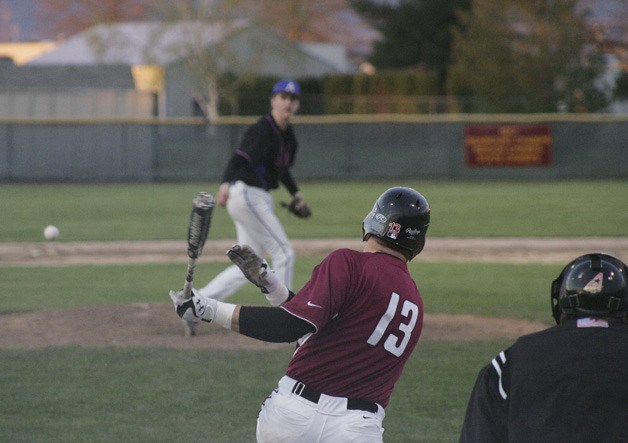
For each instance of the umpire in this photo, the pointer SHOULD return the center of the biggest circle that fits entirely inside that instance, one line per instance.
(568, 383)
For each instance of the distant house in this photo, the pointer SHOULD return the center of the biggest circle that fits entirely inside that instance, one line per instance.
(170, 60)
(68, 91)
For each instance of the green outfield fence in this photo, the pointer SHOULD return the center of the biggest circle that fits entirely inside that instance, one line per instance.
(339, 147)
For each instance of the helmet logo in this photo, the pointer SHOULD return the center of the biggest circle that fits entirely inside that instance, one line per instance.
(393, 230)
(588, 322)
(380, 218)
(595, 285)
(412, 233)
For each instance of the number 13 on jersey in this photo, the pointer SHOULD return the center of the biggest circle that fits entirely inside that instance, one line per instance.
(396, 344)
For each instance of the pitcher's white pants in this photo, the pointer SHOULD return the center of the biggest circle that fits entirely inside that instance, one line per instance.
(252, 212)
(286, 417)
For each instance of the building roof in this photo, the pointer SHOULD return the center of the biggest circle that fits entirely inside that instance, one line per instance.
(163, 43)
(334, 53)
(136, 43)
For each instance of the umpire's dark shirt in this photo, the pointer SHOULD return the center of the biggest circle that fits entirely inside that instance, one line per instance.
(563, 384)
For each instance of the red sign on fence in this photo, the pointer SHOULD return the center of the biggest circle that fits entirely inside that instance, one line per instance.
(508, 145)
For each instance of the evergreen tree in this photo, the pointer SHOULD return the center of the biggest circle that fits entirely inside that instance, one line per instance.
(416, 33)
(526, 56)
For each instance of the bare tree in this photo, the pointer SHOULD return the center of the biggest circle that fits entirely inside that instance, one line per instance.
(317, 20)
(205, 56)
(297, 20)
(67, 17)
(300, 20)
(207, 63)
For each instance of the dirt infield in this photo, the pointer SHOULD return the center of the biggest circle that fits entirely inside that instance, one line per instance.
(506, 250)
(155, 324)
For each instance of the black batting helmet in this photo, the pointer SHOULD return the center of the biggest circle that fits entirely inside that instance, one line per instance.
(400, 217)
(592, 284)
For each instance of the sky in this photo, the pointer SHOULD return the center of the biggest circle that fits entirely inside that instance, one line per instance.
(20, 24)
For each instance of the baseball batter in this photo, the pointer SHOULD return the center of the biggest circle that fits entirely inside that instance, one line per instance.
(263, 160)
(568, 383)
(356, 320)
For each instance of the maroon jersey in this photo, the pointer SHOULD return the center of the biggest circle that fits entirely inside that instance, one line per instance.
(368, 315)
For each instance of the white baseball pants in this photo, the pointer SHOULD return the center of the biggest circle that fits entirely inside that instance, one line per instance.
(287, 417)
(252, 212)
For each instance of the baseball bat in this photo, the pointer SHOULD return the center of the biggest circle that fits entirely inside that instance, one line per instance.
(198, 228)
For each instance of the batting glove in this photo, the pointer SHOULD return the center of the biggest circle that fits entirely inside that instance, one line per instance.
(257, 271)
(194, 309)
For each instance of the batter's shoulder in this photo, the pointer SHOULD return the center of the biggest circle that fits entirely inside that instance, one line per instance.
(345, 252)
(369, 260)
(342, 254)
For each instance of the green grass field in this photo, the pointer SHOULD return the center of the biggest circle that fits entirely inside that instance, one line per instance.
(101, 212)
(74, 395)
(148, 395)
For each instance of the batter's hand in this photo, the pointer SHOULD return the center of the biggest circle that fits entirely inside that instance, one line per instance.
(253, 267)
(193, 309)
(257, 271)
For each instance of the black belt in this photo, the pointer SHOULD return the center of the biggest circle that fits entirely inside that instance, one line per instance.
(352, 403)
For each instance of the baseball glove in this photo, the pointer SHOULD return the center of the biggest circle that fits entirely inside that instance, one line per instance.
(298, 207)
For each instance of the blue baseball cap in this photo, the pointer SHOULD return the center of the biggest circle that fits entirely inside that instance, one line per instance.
(287, 86)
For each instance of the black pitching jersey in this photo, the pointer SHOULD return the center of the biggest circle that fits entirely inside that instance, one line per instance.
(265, 156)
(568, 383)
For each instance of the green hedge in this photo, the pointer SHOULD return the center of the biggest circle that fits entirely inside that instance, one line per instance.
(395, 92)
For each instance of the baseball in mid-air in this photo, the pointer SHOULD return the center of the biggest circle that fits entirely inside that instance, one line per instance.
(51, 232)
